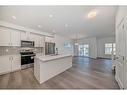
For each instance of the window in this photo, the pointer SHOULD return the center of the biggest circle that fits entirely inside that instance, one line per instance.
(84, 50)
(114, 49)
(110, 48)
(67, 45)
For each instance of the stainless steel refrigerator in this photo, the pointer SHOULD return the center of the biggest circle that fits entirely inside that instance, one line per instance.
(49, 48)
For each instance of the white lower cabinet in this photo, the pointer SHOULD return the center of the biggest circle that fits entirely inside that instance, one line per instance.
(16, 62)
(9, 63)
(5, 64)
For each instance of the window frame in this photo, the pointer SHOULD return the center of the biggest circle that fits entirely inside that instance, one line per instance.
(112, 48)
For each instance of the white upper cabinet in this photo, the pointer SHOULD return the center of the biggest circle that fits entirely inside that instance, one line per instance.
(49, 39)
(9, 37)
(42, 41)
(5, 38)
(38, 39)
(25, 36)
(15, 38)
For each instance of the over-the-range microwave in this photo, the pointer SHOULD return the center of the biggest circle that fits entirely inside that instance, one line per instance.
(27, 43)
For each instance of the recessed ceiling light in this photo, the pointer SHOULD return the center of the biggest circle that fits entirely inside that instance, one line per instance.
(66, 25)
(39, 26)
(53, 31)
(13, 17)
(92, 14)
(50, 16)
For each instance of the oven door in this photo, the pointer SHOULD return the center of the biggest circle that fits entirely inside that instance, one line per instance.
(27, 60)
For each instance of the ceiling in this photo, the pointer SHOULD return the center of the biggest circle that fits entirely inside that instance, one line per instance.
(64, 20)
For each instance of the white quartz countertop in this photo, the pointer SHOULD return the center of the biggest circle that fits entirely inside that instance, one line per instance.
(53, 57)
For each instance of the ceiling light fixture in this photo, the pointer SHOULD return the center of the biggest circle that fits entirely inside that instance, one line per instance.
(13, 17)
(50, 16)
(53, 31)
(92, 14)
(66, 25)
(39, 26)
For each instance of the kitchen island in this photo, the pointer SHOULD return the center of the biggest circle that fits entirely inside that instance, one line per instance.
(47, 66)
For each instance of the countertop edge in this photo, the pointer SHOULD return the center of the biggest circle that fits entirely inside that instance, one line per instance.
(53, 58)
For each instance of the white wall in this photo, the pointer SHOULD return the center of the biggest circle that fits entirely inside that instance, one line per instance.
(92, 44)
(121, 13)
(101, 46)
(97, 46)
(60, 40)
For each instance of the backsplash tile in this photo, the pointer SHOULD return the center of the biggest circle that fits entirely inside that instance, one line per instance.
(5, 50)
(9, 50)
(39, 50)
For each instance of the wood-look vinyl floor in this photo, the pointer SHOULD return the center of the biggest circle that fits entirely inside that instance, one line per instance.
(85, 73)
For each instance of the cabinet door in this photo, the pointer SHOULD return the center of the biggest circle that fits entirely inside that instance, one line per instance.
(5, 64)
(34, 38)
(5, 38)
(16, 62)
(42, 41)
(49, 39)
(23, 36)
(15, 38)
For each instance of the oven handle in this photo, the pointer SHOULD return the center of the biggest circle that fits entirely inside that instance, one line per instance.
(28, 55)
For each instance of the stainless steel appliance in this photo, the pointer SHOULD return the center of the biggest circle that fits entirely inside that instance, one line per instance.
(27, 59)
(49, 48)
(27, 43)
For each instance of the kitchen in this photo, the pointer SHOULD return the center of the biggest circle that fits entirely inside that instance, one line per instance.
(20, 47)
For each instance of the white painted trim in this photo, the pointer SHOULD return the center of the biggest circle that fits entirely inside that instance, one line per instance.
(21, 28)
(119, 82)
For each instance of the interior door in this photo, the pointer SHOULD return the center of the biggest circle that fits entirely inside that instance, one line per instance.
(120, 53)
(125, 65)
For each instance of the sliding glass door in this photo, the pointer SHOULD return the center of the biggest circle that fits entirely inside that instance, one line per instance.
(83, 50)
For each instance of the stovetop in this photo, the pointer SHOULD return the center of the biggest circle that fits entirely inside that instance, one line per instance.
(26, 53)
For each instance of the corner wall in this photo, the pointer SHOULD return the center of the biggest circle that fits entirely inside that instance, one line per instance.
(60, 41)
(97, 46)
(92, 44)
(101, 46)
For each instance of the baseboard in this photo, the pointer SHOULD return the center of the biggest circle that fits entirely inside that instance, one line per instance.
(103, 58)
(9, 72)
(85, 57)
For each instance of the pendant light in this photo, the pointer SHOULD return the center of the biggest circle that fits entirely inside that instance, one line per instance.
(76, 43)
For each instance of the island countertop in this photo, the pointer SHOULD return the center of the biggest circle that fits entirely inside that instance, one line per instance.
(45, 58)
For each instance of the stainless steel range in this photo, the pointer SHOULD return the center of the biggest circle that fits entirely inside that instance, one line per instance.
(27, 58)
